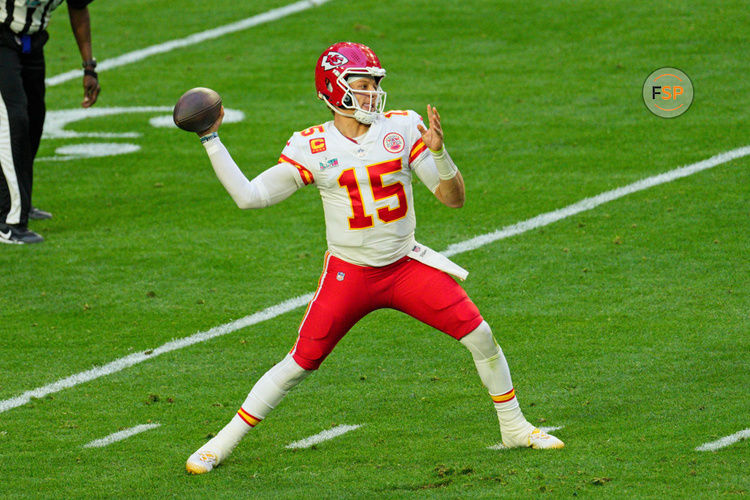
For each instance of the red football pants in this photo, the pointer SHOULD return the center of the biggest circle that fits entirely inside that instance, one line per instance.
(347, 293)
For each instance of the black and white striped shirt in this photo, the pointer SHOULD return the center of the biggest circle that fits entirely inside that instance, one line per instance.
(31, 16)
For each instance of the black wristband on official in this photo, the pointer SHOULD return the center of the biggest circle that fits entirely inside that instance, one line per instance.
(91, 72)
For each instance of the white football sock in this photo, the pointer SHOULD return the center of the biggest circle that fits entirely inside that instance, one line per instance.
(495, 375)
(267, 392)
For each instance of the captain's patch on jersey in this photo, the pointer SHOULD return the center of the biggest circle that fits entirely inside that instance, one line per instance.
(393, 142)
(317, 145)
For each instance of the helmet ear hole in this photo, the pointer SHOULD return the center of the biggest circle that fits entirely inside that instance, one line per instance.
(328, 85)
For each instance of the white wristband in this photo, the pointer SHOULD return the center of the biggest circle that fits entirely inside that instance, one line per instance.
(446, 168)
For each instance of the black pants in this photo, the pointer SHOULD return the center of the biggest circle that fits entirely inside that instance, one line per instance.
(22, 111)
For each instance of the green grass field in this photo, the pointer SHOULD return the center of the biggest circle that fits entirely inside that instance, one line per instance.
(626, 325)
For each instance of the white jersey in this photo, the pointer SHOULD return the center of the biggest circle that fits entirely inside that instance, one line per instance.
(366, 185)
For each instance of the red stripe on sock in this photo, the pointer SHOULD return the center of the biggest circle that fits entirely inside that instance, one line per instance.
(504, 398)
(248, 418)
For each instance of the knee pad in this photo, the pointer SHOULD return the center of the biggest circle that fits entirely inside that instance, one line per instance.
(481, 343)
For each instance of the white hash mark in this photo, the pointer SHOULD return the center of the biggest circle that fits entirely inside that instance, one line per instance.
(322, 436)
(119, 436)
(725, 441)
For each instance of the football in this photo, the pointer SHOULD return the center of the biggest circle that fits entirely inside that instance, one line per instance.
(197, 109)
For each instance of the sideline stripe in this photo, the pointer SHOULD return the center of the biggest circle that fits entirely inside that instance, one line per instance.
(501, 446)
(195, 38)
(322, 436)
(725, 441)
(119, 436)
(291, 304)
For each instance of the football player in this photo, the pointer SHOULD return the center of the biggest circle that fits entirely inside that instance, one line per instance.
(362, 163)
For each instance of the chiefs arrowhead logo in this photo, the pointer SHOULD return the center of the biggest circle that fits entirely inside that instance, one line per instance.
(333, 60)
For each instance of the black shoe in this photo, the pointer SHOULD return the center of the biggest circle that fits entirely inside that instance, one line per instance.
(16, 235)
(37, 214)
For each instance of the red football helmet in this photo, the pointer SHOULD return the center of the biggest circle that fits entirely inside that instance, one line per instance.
(341, 61)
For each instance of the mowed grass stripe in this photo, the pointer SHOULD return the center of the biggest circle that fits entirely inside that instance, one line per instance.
(294, 303)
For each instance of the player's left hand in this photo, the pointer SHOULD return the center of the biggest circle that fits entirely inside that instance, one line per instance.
(432, 137)
(90, 90)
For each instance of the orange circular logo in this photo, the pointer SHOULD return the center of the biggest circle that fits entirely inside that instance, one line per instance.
(668, 92)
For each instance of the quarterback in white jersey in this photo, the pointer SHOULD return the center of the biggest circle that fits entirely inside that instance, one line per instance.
(363, 163)
(366, 184)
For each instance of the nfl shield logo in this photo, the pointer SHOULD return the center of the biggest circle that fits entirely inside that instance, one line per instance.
(340, 276)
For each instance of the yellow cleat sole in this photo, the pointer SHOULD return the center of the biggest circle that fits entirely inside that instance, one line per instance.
(551, 447)
(195, 468)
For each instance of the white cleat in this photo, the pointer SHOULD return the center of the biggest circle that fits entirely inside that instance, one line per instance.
(540, 440)
(201, 462)
(533, 438)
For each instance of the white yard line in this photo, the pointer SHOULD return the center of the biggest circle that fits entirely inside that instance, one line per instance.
(725, 441)
(590, 203)
(119, 436)
(294, 303)
(322, 436)
(501, 446)
(195, 38)
(139, 357)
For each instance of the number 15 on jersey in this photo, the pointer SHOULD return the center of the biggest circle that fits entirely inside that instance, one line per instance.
(360, 219)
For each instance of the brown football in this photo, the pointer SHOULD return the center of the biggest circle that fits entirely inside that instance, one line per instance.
(197, 109)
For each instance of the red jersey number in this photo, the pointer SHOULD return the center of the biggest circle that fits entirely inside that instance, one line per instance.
(380, 191)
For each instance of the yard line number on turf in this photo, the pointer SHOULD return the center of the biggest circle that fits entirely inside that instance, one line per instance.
(294, 303)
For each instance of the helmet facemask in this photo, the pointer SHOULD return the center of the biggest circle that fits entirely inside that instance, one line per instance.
(350, 101)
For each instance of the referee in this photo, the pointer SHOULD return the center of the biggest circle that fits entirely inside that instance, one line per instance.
(23, 34)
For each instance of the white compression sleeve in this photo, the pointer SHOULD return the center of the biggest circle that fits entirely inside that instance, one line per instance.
(270, 187)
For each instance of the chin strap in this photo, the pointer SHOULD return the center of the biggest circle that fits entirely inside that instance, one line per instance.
(362, 116)
(365, 117)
